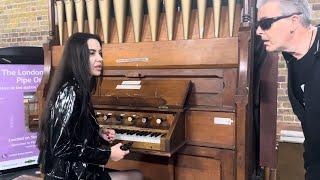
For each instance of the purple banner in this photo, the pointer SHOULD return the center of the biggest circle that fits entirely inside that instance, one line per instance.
(17, 145)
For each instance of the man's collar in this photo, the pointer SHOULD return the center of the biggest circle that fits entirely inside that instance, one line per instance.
(288, 57)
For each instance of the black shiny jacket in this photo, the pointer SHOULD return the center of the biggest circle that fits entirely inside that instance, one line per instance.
(73, 150)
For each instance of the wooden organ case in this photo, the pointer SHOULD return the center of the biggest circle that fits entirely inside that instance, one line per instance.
(200, 51)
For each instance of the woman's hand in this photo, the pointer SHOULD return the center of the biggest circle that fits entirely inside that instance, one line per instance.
(107, 134)
(116, 153)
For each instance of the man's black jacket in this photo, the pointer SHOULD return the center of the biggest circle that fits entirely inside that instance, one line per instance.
(309, 115)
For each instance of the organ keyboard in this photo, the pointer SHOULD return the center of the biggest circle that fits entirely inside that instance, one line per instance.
(149, 112)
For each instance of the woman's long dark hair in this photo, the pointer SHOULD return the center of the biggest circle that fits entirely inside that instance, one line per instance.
(74, 65)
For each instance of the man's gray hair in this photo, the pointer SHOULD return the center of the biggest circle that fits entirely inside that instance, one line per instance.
(293, 6)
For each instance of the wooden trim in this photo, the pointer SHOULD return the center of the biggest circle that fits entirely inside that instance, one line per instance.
(241, 100)
(268, 112)
(179, 54)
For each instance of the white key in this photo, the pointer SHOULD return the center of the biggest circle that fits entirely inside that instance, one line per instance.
(136, 138)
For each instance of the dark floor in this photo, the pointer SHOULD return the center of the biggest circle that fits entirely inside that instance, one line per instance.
(27, 174)
(290, 161)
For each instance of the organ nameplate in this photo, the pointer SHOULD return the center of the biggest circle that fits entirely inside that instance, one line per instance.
(130, 60)
(131, 82)
(128, 86)
(223, 121)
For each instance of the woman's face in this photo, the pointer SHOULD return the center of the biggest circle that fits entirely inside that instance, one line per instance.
(95, 57)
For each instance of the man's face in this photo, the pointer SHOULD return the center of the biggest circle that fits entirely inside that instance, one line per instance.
(275, 38)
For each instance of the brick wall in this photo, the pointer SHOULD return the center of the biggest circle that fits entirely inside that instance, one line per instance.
(286, 118)
(23, 22)
(315, 6)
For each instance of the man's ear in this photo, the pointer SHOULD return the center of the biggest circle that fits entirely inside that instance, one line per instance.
(295, 20)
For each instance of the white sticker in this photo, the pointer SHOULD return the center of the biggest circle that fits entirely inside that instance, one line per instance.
(223, 121)
(126, 86)
(131, 82)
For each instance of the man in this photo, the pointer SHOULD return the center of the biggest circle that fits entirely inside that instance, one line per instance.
(284, 26)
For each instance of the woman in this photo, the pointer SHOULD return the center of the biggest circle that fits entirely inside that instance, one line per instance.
(72, 146)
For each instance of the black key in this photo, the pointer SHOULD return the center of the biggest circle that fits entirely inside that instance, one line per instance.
(139, 133)
(145, 133)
